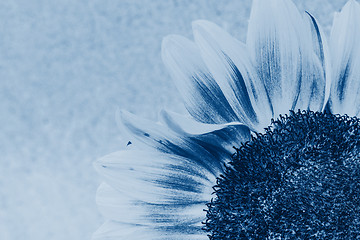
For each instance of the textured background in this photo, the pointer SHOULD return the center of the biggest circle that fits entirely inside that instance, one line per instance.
(65, 67)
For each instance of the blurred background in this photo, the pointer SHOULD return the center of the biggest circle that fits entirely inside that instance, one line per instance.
(66, 66)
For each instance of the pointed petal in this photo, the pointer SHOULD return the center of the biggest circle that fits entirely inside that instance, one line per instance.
(112, 230)
(280, 44)
(321, 49)
(118, 206)
(156, 178)
(192, 146)
(167, 187)
(162, 191)
(345, 50)
(228, 61)
(312, 82)
(203, 97)
(211, 137)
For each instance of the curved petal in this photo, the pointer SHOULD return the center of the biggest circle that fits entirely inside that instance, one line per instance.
(164, 192)
(166, 187)
(117, 205)
(211, 137)
(345, 50)
(321, 49)
(228, 61)
(148, 176)
(281, 47)
(202, 96)
(112, 230)
(193, 146)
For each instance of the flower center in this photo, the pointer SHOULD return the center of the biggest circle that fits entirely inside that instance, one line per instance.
(299, 180)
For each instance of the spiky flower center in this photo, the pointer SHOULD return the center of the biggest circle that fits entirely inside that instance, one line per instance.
(299, 180)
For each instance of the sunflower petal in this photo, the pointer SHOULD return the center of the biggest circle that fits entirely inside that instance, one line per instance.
(321, 49)
(112, 230)
(228, 61)
(281, 46)
(155, 177)
(162, 191)
(203, 97)
(345, 50)
(118, 206)
(211, 137)
(192, 146)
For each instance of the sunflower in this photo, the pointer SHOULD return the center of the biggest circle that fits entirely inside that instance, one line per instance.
(271, 149)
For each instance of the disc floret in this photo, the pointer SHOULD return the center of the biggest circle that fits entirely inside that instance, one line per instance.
(298, 180)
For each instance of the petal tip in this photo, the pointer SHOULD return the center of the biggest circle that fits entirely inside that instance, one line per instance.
(99, 165)
(351, 5)
(202, 25)
(169, 40)
(125, 116)
(173, 44)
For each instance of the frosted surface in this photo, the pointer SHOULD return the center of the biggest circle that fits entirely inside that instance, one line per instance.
(65, 67)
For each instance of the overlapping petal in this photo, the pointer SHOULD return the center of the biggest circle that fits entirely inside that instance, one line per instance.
(163, 191)
(282, 67)
(321, 49)
(229, 63)
(113, 230)
(281, 46)
(166, 185)
(210, 146)
(345, 52)
(202, 96)
(118, 205)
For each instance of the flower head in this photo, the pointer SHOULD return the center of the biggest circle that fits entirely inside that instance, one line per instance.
(299, 180)
(159, 186)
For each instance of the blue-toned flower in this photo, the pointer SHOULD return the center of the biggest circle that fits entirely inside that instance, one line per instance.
(229, 171)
